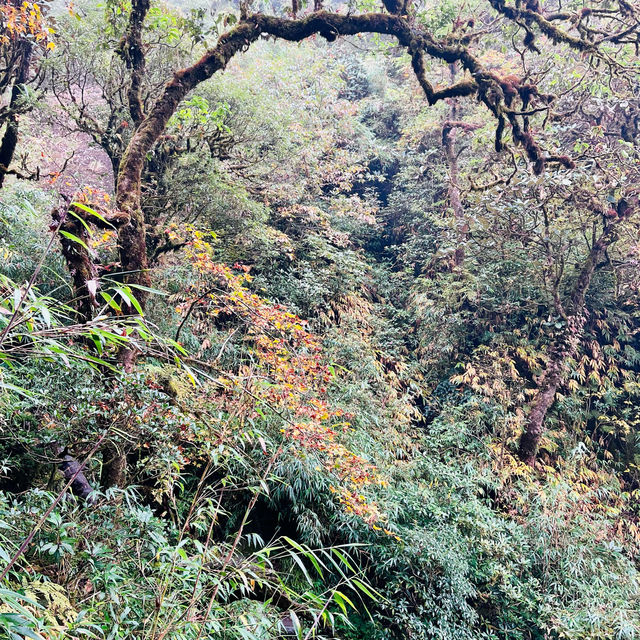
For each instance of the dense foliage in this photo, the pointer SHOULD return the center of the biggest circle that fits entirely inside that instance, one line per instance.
(316, 336)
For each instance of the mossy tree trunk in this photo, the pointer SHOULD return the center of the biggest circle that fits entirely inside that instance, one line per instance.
(10, 138)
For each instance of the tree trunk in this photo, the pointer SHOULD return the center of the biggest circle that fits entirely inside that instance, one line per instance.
(449, 143)
(547, 387)
(564, 348)
(79, 263)
(114, 468)
(131, 51)
(449, 130)
(10, 138)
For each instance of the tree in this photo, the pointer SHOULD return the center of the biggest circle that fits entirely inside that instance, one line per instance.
(573, 317)
(23, 31)
(302, 230)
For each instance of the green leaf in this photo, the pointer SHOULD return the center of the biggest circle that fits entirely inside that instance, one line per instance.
(343, 559)
(110, 301)
(92, 212)
(84, 224)
(365, 589)
(300, 564)
(129, 298)
(141, 287)
(337, 597)
(73, 238)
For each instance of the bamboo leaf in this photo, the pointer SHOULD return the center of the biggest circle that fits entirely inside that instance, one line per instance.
(74, 238)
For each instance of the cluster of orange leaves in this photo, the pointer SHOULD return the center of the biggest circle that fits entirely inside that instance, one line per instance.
(19, 20)
(291, 378)
(94, 197)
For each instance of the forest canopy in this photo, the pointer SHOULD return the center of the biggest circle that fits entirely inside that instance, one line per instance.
(320, 320)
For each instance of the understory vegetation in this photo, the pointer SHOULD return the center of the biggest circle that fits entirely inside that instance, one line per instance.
(320, 321)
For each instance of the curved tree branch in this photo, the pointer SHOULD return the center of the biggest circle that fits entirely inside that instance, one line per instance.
(499, 95)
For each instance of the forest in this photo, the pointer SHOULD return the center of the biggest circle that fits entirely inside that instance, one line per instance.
(320, 320)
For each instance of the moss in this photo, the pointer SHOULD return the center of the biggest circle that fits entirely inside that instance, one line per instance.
(53, 606)
(170, 380)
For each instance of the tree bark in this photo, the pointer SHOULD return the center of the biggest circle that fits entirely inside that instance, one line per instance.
(550, 380)
(79, 263)
(449, 136)
(10, 138)
(449, 144)
(114, 468)
(84, 272)
(131, 50)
